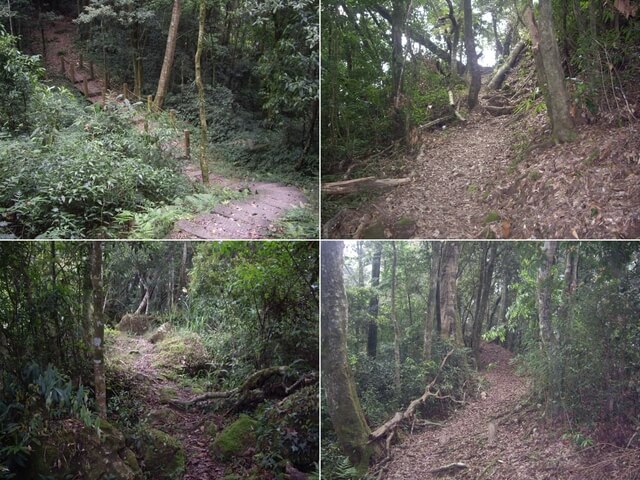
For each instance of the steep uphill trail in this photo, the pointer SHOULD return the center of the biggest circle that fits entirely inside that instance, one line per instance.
(187, 426)
(246, 218)
(515, 447)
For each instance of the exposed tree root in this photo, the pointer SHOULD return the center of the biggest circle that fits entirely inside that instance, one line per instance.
(361, 184)
(253, 390)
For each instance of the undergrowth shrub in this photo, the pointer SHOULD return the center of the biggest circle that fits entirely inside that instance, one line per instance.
(27, 402)
(73, 180)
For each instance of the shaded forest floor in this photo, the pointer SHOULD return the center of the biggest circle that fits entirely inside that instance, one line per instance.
(498, 177)
(137, 358)
(522, 446)
(257, 216)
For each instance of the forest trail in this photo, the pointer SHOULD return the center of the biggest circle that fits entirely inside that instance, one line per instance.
(452, 173)
(189, 426)
(245, 218)
(519, 448)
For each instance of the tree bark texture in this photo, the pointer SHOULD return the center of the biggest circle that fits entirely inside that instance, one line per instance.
(501, 74)
(448, 274)
(374, 302)
(169, 55)
(98, 332)
(204, 167)
(343, 404)
(487, 262)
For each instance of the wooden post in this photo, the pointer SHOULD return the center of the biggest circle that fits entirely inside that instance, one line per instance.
(72, 71)
(104, 97)
(62, 64)
(85, 87)
(80, 62)
(107, 80)
(92, 75)
(187, 144)
(149, 102)
(125, 87)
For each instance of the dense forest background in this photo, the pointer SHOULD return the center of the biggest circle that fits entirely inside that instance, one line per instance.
(409, 326)
(241, 76)
(158, 360)
(388, 67)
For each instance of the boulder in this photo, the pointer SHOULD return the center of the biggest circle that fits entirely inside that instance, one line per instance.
(162, 455)
(238, 439)
(135, 324)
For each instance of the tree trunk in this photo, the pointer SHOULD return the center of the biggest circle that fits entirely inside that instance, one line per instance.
(550, 72)
(501, 74)
(169, 54)
(472, 57)
(448, 274)
(394, 320)
(398, 20)
(98, 335)
(432, 304)
(487, 259)
(372, 331)
(343, 405)
(204, 167)
(544, 295)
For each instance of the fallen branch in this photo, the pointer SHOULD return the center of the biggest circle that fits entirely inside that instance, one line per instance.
(452, 104)
(498, 78)
(361, 184)
(435, 122)
(450, 467)
(391, 425)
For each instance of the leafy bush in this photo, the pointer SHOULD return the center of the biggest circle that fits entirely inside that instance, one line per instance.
(27, 401)
(18, 80)
(75, 181)
(288, 431)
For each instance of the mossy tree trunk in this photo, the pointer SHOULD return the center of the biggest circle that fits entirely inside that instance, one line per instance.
(98, 332)
(396, 325)
(204, 167)
(485, 277)
(343, 404)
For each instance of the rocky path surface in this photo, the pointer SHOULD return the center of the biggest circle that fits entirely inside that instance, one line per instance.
(187, 426)
(247, 218)
(495, 436)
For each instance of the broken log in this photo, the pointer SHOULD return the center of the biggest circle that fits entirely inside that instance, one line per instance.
(497, 111)
(390, 426)
(435, 122)
(361, 184)
(452, 467)
(501, 74)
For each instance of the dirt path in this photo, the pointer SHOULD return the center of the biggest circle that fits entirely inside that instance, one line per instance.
(520, 449)
(454, 170)
(190, 427)
(247, 218)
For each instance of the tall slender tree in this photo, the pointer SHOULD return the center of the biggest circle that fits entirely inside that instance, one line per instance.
(98, 328)
(204, 166)
(169, 54)
(343, 404)
(374, 302)
(472, 56)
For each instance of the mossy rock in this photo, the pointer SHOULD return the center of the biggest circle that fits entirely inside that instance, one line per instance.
(162, 455)
(181, 352)
(135, 324)
(163, 415)
(235, 440)
(74, 450)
